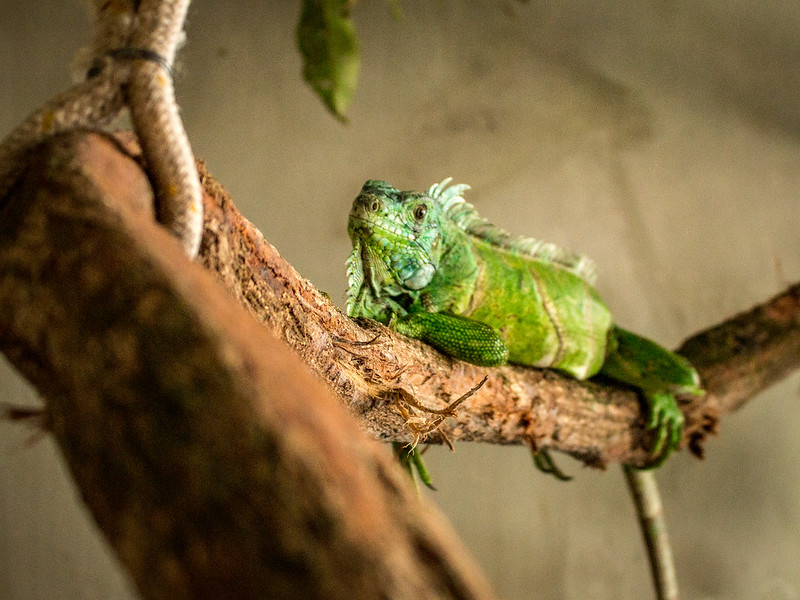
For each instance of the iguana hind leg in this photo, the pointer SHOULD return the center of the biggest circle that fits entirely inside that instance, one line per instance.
(659, 374)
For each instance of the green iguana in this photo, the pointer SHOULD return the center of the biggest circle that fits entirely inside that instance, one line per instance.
(427, 264)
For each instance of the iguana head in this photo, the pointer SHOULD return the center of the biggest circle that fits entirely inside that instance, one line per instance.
(396, 239)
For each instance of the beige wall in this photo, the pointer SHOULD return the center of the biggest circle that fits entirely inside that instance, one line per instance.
(662, 138)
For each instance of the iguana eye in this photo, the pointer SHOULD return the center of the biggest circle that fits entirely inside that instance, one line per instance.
(420, 211)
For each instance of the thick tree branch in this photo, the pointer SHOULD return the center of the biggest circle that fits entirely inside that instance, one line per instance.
(208, 455)
(597, 422)
(214, 462)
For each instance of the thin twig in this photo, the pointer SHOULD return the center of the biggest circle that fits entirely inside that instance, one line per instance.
(355, 343)
(647, 500)
(421, 426)
(449, 410)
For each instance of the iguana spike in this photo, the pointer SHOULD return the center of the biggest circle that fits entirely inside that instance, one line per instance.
(463, 214)
(355, 276)
(436, 189)
(440, 191)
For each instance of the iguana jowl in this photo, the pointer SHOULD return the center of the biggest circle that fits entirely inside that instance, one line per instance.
(430, 265)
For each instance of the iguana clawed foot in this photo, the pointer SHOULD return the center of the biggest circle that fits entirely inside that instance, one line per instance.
(666, 419)
(410, 458)
(545, 463)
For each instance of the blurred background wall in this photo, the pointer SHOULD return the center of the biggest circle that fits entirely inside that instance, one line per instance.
(661, 137)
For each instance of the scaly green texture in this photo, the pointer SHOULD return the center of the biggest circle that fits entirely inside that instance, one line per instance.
(427, 263)
(327, 41)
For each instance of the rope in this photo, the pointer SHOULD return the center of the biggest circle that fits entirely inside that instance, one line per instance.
(133, 52)
(158, 124)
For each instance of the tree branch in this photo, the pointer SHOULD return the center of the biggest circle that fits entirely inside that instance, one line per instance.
(597, 422)
(214, 462)
(208, 455)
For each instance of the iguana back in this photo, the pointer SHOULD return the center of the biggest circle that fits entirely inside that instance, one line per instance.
(464, 215)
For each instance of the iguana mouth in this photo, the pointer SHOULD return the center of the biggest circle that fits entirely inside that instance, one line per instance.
(413, 273)
(394, 230)
(391, 230)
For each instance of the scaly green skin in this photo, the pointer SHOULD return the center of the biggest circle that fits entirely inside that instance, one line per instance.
(430, 265)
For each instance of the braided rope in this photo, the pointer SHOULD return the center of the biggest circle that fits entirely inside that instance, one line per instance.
(113, 23)
(159, 126)
(141, 78)
(95, 102)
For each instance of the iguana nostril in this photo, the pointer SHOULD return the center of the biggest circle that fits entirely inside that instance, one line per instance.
(375, 205)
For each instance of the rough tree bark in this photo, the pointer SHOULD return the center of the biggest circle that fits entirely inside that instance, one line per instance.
(596, 421)
(211, 457)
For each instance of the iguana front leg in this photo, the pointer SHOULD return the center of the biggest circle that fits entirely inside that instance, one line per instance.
(456, 336)
(468, 340)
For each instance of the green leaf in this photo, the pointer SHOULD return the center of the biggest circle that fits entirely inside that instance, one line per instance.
(327, 41)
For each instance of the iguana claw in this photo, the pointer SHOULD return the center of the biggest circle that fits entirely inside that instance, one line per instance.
(667, 420)
(545, 463)
(410, 459)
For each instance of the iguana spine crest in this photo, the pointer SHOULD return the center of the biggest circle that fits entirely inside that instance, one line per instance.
(464, 215)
